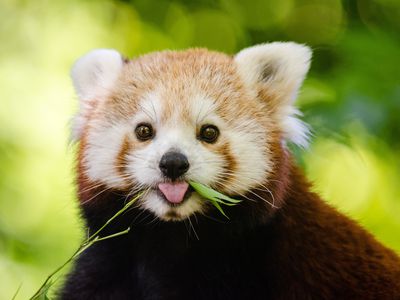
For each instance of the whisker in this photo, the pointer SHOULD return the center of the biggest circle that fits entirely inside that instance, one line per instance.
(194, 231)
(146, 112)
(187, 228)
(154, 110)
(91, 187)
(213, 219)
(96, 195)
(236, 184)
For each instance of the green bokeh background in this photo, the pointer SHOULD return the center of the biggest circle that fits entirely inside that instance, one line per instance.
(351, 99)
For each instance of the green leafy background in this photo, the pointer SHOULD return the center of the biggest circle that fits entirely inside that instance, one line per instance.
(351, 99)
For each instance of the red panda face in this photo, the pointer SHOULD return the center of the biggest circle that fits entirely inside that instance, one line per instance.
(165, 119)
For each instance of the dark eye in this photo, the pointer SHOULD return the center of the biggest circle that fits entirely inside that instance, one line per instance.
(209, 133)
(144, 131)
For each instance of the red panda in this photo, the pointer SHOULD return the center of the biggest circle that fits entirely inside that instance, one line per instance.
(161, 120)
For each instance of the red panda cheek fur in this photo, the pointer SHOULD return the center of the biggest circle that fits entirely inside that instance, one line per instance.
(297, 248)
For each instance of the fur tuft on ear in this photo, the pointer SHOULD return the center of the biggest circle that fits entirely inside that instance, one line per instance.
(278, 69)
(93, 76)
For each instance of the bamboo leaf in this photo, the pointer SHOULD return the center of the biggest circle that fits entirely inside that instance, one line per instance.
(216, 204)
(216, 198)
(208, 193)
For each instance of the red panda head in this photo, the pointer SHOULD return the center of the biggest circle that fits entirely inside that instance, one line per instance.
(161, 120)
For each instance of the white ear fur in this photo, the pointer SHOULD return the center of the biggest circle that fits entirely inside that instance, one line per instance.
(94, 73)
(93, 76)
(279, 68)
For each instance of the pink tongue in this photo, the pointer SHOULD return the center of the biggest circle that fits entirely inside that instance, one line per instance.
(174, 192)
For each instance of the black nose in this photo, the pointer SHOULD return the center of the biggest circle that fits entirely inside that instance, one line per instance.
(173, 164)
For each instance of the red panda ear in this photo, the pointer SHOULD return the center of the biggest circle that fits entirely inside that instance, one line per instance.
(93, 75)
(278, 70)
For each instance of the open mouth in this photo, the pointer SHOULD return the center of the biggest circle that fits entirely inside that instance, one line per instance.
(174, 193)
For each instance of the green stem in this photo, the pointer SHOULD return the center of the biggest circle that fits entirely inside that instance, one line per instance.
(114, 216)
(113, 235)
(16, 292)
(86, 244)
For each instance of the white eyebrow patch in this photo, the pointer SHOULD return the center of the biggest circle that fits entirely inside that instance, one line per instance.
(149, 108)
(202, 106)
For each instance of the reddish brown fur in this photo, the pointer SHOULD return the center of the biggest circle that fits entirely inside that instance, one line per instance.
(121, 157)
(230, 166)
(322, 241)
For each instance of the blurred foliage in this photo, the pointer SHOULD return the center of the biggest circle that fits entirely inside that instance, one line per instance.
(351, 99)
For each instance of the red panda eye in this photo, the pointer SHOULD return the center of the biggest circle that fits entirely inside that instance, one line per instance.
(144, 131)
(208, 133)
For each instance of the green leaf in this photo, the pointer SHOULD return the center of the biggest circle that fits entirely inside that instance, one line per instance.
(208, 193)
(216, 204)
(216, 198)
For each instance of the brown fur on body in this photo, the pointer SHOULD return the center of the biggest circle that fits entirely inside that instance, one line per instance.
(334, 258)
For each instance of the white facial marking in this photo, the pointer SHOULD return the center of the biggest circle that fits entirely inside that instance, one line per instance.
(103, 146)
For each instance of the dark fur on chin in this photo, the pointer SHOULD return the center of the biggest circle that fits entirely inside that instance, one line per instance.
(303, 250)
